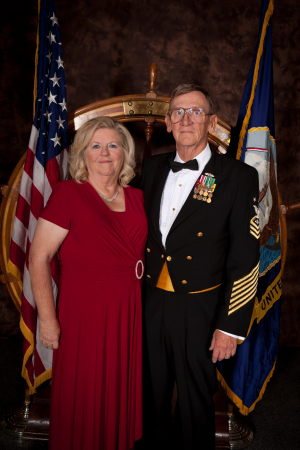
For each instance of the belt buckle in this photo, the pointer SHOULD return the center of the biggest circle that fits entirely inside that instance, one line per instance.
(136, 269)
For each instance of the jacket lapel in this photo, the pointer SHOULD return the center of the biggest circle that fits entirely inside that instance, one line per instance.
(214, 166)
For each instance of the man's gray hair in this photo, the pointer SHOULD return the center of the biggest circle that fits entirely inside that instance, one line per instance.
(186, 89)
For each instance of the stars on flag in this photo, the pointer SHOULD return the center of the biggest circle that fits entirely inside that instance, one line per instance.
(60, 62)
(55, 80)
(48, 115)
(63, 105)
(51, 119)
(60, 122)
(56, 140)
(51, 98)
(54, 20)
(51, 38)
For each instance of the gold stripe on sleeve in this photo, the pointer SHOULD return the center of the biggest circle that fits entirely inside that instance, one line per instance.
(238, 307)
(242, 294)
(243, 290)
(248, 296)
(237, 288)
(246, 276)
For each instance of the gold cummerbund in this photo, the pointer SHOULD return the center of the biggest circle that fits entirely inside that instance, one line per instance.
(165, 283)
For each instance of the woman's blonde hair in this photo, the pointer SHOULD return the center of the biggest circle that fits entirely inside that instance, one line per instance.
(77, 165)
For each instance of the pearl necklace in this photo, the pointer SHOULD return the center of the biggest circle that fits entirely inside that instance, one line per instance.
(108, 199)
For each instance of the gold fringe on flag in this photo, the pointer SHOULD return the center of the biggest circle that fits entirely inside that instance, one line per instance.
(29, 336)
(239, 403)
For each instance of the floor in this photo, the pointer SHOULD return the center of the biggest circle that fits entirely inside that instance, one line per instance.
(275, 420)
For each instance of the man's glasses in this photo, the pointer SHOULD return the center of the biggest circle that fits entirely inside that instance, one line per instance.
(196, 115)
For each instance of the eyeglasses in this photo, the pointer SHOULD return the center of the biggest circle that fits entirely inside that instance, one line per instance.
(196, 115)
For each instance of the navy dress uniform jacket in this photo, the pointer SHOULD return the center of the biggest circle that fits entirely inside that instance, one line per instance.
(209, 243)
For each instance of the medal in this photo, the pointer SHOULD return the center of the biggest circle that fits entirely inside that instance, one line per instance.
(204, 188)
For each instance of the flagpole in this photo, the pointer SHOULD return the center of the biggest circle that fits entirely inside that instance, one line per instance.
(15, 422)
(240, 432)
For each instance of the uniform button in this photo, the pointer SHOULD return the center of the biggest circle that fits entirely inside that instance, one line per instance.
(148, 250)
(189, 257)
(184, 282)
(148, 276)
(200, 234)
(162, 256)
(168, 258)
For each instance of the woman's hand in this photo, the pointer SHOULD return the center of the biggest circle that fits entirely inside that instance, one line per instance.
(49, 334)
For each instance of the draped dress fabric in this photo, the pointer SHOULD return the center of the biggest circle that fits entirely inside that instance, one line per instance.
(96, 393)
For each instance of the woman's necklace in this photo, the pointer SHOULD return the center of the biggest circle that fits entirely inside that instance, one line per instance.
(108, 199)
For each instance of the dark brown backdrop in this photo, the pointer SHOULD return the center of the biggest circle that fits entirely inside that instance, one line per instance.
(108, 47)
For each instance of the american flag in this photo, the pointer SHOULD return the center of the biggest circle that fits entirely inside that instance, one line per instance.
(46, 164)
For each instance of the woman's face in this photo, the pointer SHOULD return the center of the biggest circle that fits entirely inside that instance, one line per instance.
(104, 155)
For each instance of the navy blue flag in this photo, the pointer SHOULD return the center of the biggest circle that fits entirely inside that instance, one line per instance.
(245, 377)
(45, 166)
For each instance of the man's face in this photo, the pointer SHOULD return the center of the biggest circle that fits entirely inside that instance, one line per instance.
(186, 133)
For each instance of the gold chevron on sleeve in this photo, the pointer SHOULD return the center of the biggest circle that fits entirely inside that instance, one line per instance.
(238, 307)
(243, 290)
(241, 281)
(243, 293)
(241, 285)
(254, 227)
(246, 298)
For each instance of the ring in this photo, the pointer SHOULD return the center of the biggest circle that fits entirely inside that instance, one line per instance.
(227, 356)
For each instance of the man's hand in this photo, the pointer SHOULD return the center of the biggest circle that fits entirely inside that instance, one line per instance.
(49, 334)
(223, 346)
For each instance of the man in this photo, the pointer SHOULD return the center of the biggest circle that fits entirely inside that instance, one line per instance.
(201, 267)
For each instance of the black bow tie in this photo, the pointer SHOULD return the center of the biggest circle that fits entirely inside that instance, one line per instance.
(176, 166)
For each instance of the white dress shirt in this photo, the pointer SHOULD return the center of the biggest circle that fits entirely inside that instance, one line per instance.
(175, 193)
(177, 189)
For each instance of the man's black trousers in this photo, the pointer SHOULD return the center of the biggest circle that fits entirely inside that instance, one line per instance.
(177, 330)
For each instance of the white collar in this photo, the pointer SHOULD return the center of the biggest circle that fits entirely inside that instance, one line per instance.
(204, 155)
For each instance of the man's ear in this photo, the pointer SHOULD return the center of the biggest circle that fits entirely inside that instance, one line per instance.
(213, 123)
(168, 123)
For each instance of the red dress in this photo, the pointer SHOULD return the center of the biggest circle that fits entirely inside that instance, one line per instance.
(96, 393)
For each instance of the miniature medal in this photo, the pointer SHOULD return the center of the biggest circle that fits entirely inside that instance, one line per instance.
(204, 188)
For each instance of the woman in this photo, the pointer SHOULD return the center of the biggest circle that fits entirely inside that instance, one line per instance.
(98, 224)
